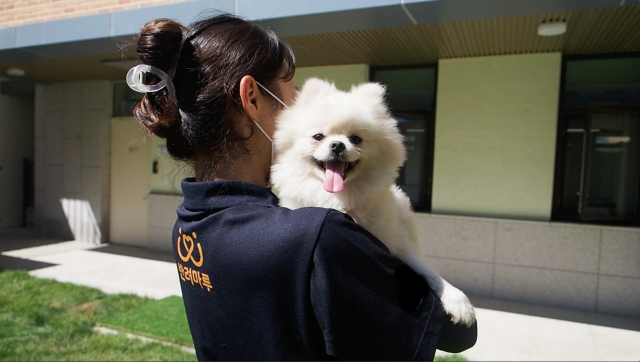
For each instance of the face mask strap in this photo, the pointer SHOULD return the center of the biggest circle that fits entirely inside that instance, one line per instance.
(263, 132)
(269, 138)
(260, 128)
(271, 94)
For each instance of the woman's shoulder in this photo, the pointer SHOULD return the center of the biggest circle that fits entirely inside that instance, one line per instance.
(332, 226)
(340, 228)
(324, 230)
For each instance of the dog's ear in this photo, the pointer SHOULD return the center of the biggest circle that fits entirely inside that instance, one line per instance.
(369, 90)
(371, 95)
(313, 87)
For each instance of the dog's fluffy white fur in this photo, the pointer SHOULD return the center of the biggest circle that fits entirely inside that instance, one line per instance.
(343, 150)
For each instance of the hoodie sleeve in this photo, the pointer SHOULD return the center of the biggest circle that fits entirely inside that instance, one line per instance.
(369, 304)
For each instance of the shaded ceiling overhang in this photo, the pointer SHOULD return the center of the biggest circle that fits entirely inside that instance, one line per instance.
(375, 32)
(416, 12)
(104, 33)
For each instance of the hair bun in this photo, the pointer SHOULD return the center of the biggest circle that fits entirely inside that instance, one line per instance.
(158, 45)
(159, 42)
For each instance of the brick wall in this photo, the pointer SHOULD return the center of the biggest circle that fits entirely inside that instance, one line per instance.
(14, 13)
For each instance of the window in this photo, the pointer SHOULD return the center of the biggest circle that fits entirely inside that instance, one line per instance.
(598, 154)
(411, 96)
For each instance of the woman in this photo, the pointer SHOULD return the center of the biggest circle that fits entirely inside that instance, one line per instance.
(259, 281)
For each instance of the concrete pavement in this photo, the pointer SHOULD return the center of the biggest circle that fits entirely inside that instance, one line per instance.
(507, 331)
(548, 334)
(85, 264)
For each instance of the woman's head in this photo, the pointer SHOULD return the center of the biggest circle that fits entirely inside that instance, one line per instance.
(211, 57)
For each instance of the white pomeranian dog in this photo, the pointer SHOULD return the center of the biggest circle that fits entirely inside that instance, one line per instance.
(343, 151)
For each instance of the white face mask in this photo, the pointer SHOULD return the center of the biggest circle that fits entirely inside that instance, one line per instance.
(260, 128)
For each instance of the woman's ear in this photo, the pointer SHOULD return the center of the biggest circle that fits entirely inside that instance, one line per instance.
(249, 94)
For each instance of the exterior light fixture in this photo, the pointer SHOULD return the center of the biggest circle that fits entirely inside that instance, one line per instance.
(552, 28)
(16, 72)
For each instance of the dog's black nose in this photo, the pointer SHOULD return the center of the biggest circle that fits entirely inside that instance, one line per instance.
(337, 147)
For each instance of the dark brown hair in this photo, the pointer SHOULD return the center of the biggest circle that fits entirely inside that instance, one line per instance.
(216, 54)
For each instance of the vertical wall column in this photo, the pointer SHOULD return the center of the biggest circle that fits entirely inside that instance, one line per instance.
(72, 160)
(495, 136)
(16, 144)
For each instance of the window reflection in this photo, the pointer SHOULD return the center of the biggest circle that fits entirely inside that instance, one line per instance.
(411, 98)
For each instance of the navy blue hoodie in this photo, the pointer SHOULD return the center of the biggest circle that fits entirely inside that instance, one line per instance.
(262, 282)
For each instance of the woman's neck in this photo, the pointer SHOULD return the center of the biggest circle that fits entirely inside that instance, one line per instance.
(253, 168)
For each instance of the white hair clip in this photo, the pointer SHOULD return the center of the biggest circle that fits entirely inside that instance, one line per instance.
(135, 75)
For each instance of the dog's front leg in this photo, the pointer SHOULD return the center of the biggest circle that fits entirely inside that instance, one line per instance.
(457, 305)
(454, 301)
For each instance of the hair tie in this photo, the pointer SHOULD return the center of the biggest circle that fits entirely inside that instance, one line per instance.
(135, 75)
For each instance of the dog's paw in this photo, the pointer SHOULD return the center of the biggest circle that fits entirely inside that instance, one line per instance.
(458, 306)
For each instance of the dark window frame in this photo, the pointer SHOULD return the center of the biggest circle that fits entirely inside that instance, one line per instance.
(564, 114)
(430, 117)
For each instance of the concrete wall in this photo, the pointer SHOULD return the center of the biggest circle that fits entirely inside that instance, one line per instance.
(143, 203)
(72, 139)
(496, 120)
(16, 143)
(130, 180)
(162, 217)
(587, 268)
(169, 172)
(165, 195)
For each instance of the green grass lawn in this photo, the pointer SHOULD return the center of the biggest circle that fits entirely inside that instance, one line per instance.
(451, 358)
(46, 320)
(161, 319)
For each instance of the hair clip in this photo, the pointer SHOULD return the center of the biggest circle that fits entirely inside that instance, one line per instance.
(134, 80)
(174, 62)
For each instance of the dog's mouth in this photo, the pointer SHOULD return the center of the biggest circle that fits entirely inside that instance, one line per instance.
(335, 172)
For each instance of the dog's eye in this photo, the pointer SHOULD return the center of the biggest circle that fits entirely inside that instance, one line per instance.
(318, 137)
(355, 139)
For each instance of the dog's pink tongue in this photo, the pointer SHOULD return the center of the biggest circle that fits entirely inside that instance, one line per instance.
(333, 181)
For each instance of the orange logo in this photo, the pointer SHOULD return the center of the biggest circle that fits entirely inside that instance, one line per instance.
(189, 246)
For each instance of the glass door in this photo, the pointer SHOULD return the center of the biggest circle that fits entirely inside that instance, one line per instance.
(411, 97)
(610, 166)
(415, 175)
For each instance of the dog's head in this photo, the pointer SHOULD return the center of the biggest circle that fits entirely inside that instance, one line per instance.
(337, 140)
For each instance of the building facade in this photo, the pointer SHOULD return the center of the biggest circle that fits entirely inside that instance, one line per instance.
(524, 153)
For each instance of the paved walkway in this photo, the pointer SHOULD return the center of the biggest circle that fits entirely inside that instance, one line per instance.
(85, 264)
(507, 331)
